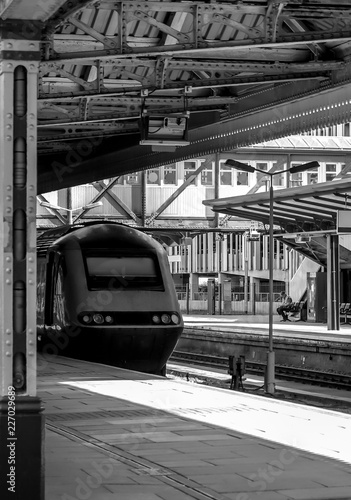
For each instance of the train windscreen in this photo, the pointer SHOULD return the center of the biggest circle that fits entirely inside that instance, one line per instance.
(123, 272)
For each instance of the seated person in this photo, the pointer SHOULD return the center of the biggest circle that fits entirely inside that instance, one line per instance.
(285, 306)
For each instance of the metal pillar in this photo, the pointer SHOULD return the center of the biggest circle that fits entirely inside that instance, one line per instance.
(216, 186)
(69, 206)
(143, 197)
(21, 421)
(219, 271)
(333, 282)
(246, 272)
(270, 373)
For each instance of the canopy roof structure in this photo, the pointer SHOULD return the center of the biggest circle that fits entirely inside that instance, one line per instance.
(246, 72)
(304, 208)
(309, 209)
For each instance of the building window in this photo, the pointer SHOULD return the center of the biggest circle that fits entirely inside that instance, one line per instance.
(189, 169)
(278, 179)
(226, 175)
(132, 178)
(296, 179)
(330, 171)
(242, 178)
(312, 176)
(170, 174)
(153, 176)
(261, 166)
(207, 176)
(110, 179)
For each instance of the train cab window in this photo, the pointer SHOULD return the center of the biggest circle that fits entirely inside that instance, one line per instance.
(123, 272)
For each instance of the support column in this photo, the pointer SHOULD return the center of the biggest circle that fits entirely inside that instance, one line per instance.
(216, 187)
(21, 421)
(69, 206)
(333, 282)
(246, 245)
(143, 197)
(254, 290)
(227, 296)
(194, 285)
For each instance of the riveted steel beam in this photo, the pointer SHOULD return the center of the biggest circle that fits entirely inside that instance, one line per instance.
(18, 170)
(306, 112)
(18, 290)
(113, 199)
(62, 12)
(38, 10)
(108, 42)
(100, 109)
(125, 74)
(167, 30)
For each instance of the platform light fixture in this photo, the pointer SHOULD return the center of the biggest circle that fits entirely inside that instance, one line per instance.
(270, 368)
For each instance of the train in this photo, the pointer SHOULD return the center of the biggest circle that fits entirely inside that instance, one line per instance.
(105, 294)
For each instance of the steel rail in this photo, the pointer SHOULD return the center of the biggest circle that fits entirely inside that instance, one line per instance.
(284, 372)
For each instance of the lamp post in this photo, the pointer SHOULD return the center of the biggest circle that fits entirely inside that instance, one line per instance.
(70, 211)
(246, 270)
(270, 368)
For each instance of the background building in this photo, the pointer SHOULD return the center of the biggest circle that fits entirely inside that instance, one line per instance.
(170, 197)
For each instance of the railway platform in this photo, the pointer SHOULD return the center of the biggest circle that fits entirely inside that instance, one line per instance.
(112, 433)
(259, 324)
(309, 347)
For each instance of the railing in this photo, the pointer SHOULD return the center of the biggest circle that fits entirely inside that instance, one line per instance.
(264, 297)
(236, 298)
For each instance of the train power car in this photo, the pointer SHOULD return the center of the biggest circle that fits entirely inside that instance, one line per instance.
(106, 294)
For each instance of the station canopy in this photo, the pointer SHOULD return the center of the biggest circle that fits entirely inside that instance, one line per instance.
(309, 210)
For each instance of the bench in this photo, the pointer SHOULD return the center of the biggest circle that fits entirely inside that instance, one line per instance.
(345, 310)
(298, 308)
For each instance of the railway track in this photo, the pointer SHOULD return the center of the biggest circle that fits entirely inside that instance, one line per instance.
(302, 375)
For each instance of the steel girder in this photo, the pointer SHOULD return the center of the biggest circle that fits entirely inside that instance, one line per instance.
(254, 67)
(287, 118)
(97, 60)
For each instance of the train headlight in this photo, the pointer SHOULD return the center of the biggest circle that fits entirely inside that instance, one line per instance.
(175, 319)
(156, 319)
(166, 319)
(98, 318)
(86, 318)
(108, 319)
